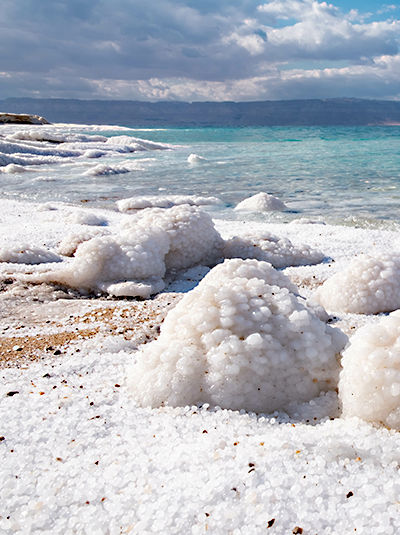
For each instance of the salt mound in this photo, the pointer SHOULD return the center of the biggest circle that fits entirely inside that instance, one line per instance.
(134, 260)
(163, 201)
(195, 158)
(82, 217)
(369, 385)
(107, 170)
(261, 202)
(193, 238)
(280, 252)
(240, 340)
(367, 286)
(27, 254)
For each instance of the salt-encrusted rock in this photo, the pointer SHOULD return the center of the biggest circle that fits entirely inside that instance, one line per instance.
(280, 252)
(369, 385)
(240, 340)
(261, 202)
(367, 286)
(27, 254)
(134, 260)
(21, 118)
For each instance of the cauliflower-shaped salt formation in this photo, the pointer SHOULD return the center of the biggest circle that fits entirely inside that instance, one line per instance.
(367, 286)
(261, 202)
(240, 340)
(193, 238)
(280, 252)
(369, 385)
(134, 260)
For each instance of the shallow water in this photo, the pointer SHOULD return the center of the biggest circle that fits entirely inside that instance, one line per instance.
(345, 175)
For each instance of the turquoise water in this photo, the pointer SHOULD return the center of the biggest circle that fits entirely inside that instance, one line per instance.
(340, 172)
(343, 173)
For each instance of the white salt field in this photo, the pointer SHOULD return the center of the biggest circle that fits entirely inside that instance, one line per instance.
(172, 365)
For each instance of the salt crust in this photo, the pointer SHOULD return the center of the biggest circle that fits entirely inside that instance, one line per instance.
(369, 384)
(163, 201)
(261, 202)
(84, 459)
(280, 252)
(66, 452)
(116, 169)
(133, 260)
(12, 168)
(368, 285)
(27, 254)
(240, 340)
(33, 146)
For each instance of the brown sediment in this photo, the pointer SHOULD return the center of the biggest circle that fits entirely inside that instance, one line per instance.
(17, 348)
(70, 324)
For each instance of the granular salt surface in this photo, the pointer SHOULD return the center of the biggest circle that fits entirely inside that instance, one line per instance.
(84, 459)
(79, 456)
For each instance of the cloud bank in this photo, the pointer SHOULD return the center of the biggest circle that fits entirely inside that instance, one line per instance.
(190, 50)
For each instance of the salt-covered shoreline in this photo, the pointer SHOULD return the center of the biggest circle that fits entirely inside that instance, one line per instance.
(81, 457)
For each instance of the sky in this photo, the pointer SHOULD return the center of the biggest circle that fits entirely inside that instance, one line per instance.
(196, 50)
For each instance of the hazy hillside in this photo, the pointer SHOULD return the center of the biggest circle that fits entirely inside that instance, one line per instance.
(341, 111)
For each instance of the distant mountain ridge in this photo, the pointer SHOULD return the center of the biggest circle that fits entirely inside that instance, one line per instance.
(312, 112)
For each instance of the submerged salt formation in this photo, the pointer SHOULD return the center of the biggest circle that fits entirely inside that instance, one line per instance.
(280, 252)
(369, 385)
(195, 159)
(367, 286)
(133, 260)
(240, 340)
(261, 202)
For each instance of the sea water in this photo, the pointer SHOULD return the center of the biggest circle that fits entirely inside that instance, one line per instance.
(347, 175)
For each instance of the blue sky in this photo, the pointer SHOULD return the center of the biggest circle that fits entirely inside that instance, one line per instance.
(199, 49)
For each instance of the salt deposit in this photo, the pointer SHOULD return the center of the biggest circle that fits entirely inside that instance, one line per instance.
(51, 144)
(280, 252)
(163, 201)
(261, 202)
(84, 458)
(83, 217)
(12, 169)
(70, 242)
(240, 340)
(27, 254)
(368, 285)
(133, 260)
(196, 159)
(369, 384)
(191, 233)
(117, 169)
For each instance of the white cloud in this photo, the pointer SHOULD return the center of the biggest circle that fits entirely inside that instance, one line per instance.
(366, 81)
(192, 50)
